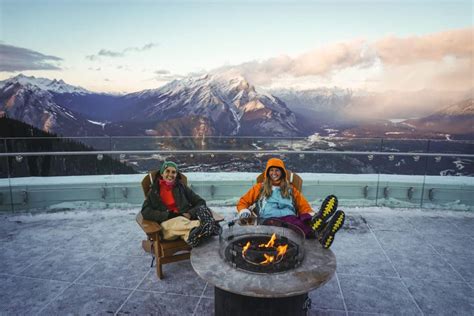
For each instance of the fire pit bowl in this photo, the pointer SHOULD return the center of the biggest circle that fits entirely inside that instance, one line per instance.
(274, 291)
(262, 249)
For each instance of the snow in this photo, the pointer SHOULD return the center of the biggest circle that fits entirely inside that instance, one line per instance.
(97, 123)
(397, 120)
(70, 115)
(57, 86)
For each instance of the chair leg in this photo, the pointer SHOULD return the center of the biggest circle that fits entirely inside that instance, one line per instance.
(159, 270)
(152, 260)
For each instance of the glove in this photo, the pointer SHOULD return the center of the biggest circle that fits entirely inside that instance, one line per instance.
(244, 213)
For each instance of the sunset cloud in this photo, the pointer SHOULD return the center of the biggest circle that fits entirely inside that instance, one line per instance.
(122, 53)
(14, 58)
(440, 59)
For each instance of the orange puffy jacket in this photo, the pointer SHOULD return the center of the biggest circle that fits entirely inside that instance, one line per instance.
(301, 204)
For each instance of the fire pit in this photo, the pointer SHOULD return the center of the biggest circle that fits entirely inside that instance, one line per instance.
(273, 251)
(263, 270)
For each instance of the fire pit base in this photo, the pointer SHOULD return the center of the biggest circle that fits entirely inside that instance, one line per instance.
(231, 304)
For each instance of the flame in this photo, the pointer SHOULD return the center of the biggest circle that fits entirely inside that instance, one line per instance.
(270, 243)
(281, 251)
(246, 247)
(268, 259)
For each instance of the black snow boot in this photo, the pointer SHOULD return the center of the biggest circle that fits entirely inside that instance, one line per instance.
(326, 236)
(327, 209)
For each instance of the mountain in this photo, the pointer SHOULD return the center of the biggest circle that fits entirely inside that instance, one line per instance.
(455, 119)
(228, 105)
(319, 109)
(210, 105)
(55, 86)
(223, 104)
(321, 100)
(22, 98)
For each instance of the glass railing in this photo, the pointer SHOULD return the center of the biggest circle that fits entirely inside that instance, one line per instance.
(36, 173)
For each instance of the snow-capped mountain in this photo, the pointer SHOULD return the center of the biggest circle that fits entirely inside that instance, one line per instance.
(56, 86)
(457, 118)
(230, 103)
(319, 100)
(34, 105)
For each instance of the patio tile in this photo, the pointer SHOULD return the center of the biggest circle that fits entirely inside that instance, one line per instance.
(377, 295)
(464, 225)
(464, 265)
(148, 303)
(442, 298)
(411, 242)
(368, 314)
(86, 300)
(209, 292)
(179, 278)
(327, 297)
(131, 247)
(62, 266)
(16, 257)
(360, 254)
(22, 296)
(325, 312)
(88, 242)
(435, 224)
(117, 271)
(451, 245)
(422, 266)
(386, 222)
(205, 307)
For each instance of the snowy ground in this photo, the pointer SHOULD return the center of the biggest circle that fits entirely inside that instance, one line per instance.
(390, 261)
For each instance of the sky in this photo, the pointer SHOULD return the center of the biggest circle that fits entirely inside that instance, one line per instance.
(128, 46)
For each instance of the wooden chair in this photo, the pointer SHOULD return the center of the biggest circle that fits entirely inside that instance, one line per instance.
(165, 251)
(292, 177)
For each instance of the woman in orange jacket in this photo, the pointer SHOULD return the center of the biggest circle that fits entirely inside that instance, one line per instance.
(277, 198)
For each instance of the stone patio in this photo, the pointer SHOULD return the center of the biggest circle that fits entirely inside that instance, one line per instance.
(404, 261)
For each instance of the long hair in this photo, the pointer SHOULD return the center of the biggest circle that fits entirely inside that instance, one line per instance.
(284, 187)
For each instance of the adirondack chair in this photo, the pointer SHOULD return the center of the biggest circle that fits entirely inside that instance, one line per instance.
(164, 251)
(292, 177)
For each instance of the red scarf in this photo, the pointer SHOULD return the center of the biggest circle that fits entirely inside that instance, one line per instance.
(166, 194)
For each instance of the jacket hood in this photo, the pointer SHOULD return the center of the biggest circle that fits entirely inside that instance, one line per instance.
(275, 162)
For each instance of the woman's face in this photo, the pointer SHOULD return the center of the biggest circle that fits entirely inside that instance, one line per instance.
(169, 174)
(274, 173)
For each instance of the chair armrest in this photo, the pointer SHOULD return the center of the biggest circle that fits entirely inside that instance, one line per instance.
(217, 217)
(149, 227)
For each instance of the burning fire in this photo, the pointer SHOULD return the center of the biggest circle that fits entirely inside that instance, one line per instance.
(270, 245)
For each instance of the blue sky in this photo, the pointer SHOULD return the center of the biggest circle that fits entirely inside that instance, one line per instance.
(118, 46)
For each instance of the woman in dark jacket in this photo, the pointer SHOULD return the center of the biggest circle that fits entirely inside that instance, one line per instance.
(180, 212)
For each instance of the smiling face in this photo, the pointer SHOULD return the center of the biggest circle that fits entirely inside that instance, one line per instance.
(275, 174)
(169, 174)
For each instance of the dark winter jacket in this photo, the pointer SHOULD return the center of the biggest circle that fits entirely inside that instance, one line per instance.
(186, 200)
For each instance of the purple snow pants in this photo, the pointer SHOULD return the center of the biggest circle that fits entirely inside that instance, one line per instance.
(302, 221)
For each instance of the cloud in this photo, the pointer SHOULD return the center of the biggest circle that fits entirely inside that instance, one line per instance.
(162, 72)
(14, 58)
(453, 48)
(110, 53)
(432, 47)
(164, 75)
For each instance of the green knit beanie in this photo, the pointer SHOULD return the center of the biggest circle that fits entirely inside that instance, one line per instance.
(167, 164)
